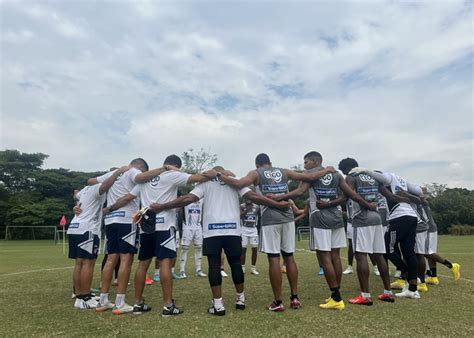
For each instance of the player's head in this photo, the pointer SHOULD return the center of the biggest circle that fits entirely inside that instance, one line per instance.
(312, 159)
(261, 160)
(173, 160)
(140, 164)
(218, 168)
(347, 165)
(75, 195)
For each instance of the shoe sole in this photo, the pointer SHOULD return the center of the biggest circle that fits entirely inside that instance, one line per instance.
(367, 304)
(240, 307)
(276, 310)
(388, 300)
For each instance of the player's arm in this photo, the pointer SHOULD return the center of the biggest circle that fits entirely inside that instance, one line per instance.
(302, 188)
(392, 197)
(382, 178)
(308, 176)
(121, 202)
(107, 184)
(346, 189)
(180, 202)
(262, 200)
(332, 203)
(148, 175)
(251, 178)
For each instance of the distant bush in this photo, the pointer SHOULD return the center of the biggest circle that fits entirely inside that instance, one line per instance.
(461, 230)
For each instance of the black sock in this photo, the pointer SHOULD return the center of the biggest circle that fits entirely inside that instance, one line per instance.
(433, 272)
(403, 275)
(80, 296)
(422, 279)
(294, 296)
(412, 287)
(277, 302)
(447, 263)
(428, 273)
(335, 294)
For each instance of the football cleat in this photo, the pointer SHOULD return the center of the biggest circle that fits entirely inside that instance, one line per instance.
(432, 280)
(456, 270)
(389, 298)
(332, 304)
(275, 307)
(359, 300)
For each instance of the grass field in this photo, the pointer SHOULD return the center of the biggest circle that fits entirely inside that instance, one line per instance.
(35, 292)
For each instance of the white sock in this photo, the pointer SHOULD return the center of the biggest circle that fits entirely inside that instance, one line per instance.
(241, 296)
(183, 258)
(104, 298)
(119, 300)
(387, 292)
(254, 267)
(198, 257)
(172, 270)
(218, 303)
(157, 272)
(365, 294)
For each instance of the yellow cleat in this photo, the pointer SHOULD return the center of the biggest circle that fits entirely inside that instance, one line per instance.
(456, 270)
(332, 304)
(422, 287)
(399, 284)
(432, 280)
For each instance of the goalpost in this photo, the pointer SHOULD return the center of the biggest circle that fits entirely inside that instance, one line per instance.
(32, 227)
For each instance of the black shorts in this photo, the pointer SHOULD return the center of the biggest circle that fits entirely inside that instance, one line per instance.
(121, 238)
(160, 244)
(232, 245)
(84, 246)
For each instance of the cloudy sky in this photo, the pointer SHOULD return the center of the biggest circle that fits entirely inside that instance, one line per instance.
(96, 83)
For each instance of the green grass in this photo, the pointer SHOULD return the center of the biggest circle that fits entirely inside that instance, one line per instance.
(36, 301)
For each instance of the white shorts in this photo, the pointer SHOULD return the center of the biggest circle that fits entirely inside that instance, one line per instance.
(326, 239)
(369, 239)
(192, 235)
(249, 235)
(432, 242)
(277, 238)
(421, 243)
(349, 231)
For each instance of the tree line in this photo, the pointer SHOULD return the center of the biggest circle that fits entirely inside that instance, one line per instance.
(33, 196)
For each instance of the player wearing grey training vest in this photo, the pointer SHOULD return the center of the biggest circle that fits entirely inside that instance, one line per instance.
(327, 225)
(368, 237)
(249, 216)
(278, 227)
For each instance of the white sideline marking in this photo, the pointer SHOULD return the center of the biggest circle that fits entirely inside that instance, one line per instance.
(344, 258)
(39, 270)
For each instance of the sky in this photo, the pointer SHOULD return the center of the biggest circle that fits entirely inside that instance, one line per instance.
(94, 84)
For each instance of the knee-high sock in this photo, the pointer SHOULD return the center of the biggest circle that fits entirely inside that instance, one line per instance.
(198, 257)
(183, 258)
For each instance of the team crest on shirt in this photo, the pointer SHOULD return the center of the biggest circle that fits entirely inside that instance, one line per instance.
(367, 179)
(154, 181)
(327, 179)
(402, 182)
(274, 175)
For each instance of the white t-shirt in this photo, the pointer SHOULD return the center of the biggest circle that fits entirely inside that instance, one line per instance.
(403, 209)
(91, 215)
(121, 187)
(162, 189)
(221, 214)
(193, 215)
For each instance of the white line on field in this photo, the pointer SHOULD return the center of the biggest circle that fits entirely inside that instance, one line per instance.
(39, 270)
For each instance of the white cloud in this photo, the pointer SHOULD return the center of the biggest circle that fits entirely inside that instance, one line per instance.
(388, 83)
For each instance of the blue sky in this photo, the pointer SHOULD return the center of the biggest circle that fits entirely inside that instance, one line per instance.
(94, 84)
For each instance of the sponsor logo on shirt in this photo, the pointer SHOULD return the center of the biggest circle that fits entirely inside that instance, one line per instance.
(274, 175)
(74, 225)
(160, 220)
(154, 181)
(327, 179)
(274, 188)
(325, 192)
(115, 214)
(222, 226)
(367, 179)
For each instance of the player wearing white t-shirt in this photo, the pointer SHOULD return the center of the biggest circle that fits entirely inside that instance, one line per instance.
(249, 213)
(121, 235)
(84, 236)
(221, 231)
(161, 242)
(192, 233)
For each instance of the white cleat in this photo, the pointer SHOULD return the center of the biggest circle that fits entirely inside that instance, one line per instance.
(122, 310)
(200, 274)
(85, 304)
(254, 271)
(105, 307)
(182, 275)
(348, 271)
(243, 268)
(397, 274)
(376, 271)
(223, 274)
(408, 294)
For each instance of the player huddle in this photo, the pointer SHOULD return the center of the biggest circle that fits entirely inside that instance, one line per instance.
(389, 219)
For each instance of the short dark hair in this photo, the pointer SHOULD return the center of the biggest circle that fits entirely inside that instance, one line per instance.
(173, 160)
(347, 164)
(140, 161)
(262, 159)
(314, 155)
(218, 168)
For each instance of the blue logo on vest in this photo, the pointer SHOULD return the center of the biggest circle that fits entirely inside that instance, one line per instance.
(222, 226)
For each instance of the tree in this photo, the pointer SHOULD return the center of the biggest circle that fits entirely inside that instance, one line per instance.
(453, 206)
(17, 170)
(197, 162)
